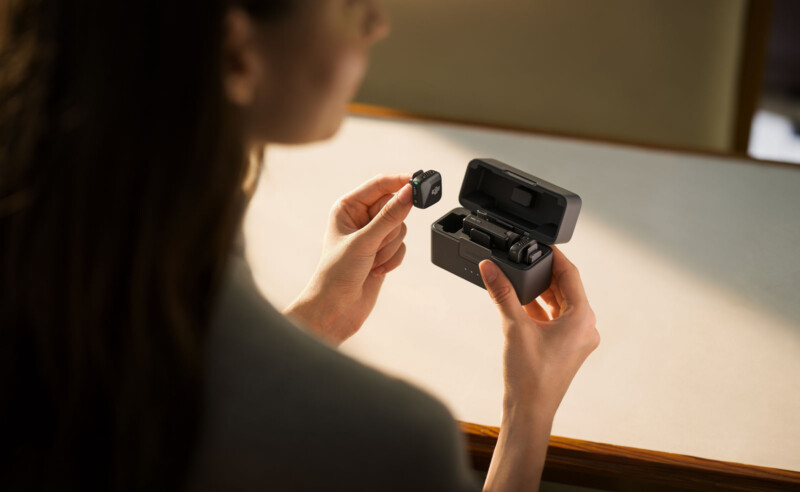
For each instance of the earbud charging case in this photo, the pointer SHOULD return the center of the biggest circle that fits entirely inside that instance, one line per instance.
(513, 199)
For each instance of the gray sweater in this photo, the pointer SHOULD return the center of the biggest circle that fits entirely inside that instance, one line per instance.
(286, 411)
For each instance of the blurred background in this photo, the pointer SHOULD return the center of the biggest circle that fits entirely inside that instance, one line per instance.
(710, 75)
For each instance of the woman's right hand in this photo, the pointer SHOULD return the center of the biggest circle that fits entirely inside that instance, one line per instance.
(542, 355)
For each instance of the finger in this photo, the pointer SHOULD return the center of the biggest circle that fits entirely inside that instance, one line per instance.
(568, 281)
(536, 311)
(395, 232)
(390, 249)
(372, 190)
(549, 298)
(554, 291)
(393, 262)
(390, 216)
(501, 290)
(378, 205)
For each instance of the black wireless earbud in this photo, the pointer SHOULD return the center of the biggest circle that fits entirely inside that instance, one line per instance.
(426, 188)
(492, 233)
(483, 231)
(526, 250)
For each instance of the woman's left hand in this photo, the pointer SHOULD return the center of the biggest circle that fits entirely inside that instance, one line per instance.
(363, 243)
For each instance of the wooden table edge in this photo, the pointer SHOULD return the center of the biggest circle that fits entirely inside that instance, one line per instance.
(369, 110)
(612, 467)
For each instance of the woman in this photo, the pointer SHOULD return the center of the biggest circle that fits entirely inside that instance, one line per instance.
(137, 352)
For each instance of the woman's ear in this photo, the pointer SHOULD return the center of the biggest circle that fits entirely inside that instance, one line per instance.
(242, 67)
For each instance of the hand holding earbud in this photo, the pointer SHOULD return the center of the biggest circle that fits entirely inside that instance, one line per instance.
(363, 243)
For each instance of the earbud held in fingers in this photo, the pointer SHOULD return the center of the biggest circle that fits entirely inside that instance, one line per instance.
(426, 188)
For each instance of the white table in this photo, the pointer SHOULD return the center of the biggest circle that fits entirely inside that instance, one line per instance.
(691, 263)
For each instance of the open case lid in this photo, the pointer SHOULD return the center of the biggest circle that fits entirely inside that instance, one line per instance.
(543, 209)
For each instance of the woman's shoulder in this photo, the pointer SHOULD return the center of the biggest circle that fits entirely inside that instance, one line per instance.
(249, 336)
(277, 398)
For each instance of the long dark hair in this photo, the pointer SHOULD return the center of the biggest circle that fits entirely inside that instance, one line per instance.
(121, 172)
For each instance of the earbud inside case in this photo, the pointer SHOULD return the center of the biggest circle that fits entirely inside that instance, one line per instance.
(511, 218)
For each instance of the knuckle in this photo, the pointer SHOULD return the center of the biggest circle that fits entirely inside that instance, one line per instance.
(591, 340)
(591, 318)
(378, 178)
(359, 246)
(592, 336)
(582, 316)
(388, 214)
(395, 261)
(392, 250)
(340, 206)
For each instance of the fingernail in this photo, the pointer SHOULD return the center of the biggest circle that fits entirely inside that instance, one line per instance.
(488, 271)
(404, 196)
(379, 271)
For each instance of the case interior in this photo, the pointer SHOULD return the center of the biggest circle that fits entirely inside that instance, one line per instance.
(513, 199)
(452, 225)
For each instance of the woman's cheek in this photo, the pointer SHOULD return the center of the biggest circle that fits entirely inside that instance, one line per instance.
(355, 67)
(345, 76)
(345, 69)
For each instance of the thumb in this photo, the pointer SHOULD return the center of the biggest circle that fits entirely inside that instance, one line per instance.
(501, 290)
(390, 216)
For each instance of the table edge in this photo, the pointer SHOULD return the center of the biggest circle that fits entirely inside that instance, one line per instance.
(612, 467)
